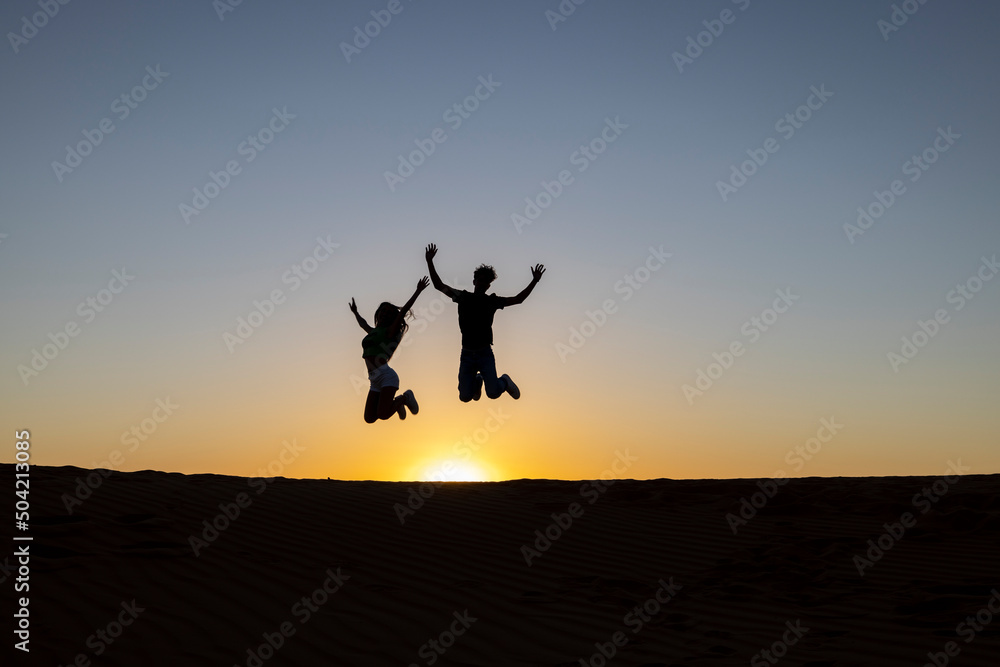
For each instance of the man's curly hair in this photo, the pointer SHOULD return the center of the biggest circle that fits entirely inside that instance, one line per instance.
(484, 272)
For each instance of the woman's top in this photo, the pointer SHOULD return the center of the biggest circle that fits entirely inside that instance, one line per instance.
(378, 344)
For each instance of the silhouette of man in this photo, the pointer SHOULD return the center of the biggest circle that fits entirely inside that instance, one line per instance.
(475, 318)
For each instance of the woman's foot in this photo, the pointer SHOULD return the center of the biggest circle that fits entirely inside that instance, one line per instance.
(477, 393)
(410, 401)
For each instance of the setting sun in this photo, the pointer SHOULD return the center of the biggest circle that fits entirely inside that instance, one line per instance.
(452, 471)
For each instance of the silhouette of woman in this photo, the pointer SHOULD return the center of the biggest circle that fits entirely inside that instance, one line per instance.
(378, 347)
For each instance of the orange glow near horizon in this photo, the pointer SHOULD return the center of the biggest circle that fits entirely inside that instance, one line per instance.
(706, 302)
(295, 383)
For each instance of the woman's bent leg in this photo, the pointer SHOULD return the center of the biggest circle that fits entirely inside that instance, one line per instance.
(371, 407)
(388, 403)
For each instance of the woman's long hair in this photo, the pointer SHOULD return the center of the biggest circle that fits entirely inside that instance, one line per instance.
(385, 314)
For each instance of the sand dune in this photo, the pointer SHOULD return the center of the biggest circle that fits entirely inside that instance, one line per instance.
(653, 565)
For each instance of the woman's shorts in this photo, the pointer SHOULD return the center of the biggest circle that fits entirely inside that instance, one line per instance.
(383, 377)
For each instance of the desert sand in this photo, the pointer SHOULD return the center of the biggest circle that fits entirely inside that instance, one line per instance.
(319, 572)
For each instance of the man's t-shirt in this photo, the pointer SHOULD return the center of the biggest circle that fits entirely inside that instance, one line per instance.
(475, 317)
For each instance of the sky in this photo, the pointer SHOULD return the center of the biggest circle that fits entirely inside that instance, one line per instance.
(769, 230)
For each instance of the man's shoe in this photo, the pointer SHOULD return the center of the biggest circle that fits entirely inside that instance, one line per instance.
(512, 389)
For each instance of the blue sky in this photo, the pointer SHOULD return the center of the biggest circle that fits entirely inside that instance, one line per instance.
(323, 177)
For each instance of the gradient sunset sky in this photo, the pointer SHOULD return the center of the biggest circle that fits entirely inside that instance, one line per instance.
(681, 127)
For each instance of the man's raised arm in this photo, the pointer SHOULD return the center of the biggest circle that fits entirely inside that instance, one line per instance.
(435, 278)
(536, 275)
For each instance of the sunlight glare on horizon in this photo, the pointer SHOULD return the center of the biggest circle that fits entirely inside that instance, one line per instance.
(743, 233)
(454, 471)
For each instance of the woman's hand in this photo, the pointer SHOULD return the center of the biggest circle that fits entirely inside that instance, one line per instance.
(422, 284)
(354, 306)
